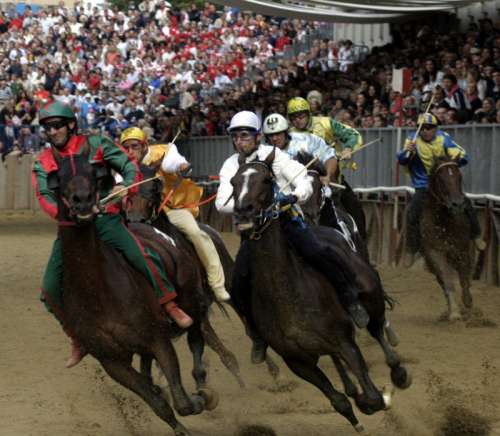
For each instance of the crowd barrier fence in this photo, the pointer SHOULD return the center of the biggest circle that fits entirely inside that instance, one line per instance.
(381, 184)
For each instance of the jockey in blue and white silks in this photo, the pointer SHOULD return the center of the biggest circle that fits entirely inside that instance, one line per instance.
(276, 132)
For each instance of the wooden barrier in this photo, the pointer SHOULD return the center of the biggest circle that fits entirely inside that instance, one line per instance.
(386, 222)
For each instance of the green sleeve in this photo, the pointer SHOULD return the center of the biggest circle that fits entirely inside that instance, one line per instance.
(119, 161)
(346, 135)
(46, 198)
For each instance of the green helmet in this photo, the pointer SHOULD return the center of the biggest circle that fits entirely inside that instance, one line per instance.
(55, 109)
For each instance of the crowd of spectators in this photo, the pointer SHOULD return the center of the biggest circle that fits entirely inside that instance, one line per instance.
(165, 70)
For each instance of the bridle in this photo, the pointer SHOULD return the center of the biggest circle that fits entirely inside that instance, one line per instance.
(265, 217)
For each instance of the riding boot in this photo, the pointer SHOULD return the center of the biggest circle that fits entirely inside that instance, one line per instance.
(181, 318)
(77, 354)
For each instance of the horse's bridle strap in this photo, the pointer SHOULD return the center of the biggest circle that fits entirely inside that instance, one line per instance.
(446, 164)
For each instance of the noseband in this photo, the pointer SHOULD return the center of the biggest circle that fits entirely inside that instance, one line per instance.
(266, 216)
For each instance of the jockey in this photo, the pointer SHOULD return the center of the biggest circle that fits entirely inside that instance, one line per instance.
(60, 123)
(343, 138)
(418, 155)
(170, 165)
(276, 132)
(244, 129)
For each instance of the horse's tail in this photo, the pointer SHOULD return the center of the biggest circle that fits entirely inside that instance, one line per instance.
(227, 358)
(222, 308)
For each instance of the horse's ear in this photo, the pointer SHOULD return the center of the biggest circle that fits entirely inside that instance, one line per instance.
(270, 158)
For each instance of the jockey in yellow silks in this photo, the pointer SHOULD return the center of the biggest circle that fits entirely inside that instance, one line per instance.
(418, 155)
(182, 205)
(343, 138)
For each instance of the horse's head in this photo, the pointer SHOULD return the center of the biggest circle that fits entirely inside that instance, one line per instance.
(445, 184)
(252, 191)
(312, 208)
(143, 206)
(77, 187)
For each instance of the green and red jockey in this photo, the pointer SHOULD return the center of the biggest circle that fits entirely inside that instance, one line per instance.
(60, 123)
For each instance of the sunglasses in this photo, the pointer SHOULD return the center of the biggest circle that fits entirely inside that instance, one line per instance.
(242, 136)
(55, 125)
(428, 127)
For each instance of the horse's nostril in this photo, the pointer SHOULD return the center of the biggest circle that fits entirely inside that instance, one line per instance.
(75, 198)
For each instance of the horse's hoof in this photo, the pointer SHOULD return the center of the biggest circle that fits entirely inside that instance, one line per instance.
(454, 317)
(359, 428)
(198, 403)
(401, 377)
(210, 397)
(387, 394)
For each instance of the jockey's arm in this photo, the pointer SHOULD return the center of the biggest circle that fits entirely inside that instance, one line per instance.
(46, 197)
(407, 153)
(289, 169)
(455, 151)
(349, 138)
(173, 161)
(326, 154)
(223, 202)
(119, 161)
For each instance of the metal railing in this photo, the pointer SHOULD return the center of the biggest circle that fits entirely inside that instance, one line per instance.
(377, 166)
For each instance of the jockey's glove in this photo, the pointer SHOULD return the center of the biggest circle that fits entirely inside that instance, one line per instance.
(284, 199)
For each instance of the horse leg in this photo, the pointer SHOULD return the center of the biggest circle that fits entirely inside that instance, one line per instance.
(310, 372)
(227, 358)
(445, 275)
(349, 387)
(166, 357)
(146, 365)
(371, 400)
(464, 276)
(197, 345)
(127, 376)
(399, 374)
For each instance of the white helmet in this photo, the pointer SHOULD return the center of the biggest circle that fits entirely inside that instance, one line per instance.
(275, 123)
(244, 119)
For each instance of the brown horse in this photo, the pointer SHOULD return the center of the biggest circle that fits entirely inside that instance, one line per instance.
(296, 309)
(445, 230)
(110, 307)
(143, 208)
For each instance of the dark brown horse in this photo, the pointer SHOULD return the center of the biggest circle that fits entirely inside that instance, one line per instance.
(328, 212)
(143, 208)
(111, 308)
(445, 230)
(296, 309)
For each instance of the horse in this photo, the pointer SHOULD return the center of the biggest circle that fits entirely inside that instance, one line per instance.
(327, 210)
(322, 210)
(445, 230)
(110, 307)
(296, 309)
(144, 208)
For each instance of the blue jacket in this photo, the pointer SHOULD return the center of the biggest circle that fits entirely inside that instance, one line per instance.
(419, 163)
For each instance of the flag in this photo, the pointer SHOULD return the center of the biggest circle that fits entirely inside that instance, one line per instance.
(401, 80)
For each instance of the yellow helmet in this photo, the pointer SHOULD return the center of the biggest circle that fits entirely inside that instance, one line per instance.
(428, 119)
(132, 133)
(298, 104)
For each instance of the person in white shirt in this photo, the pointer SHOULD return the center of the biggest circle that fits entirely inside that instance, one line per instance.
(244, 129)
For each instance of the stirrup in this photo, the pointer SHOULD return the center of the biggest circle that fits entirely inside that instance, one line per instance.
(480, 243)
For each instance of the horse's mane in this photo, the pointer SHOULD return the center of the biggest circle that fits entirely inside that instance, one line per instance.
(304, 158)
(439, 161)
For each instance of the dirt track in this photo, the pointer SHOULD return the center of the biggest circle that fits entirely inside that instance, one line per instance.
(455, 368)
